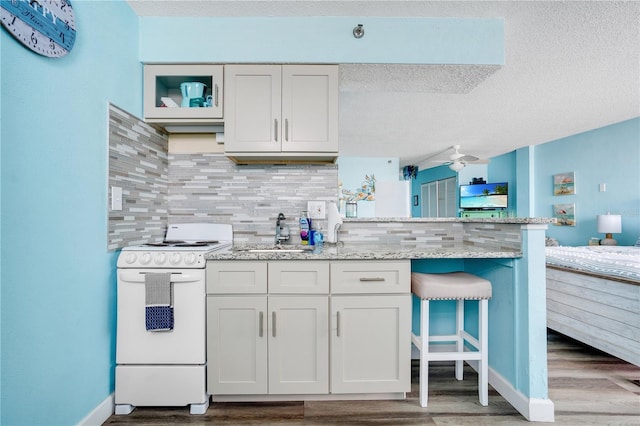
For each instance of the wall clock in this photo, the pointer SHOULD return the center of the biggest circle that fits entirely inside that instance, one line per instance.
(45, 26)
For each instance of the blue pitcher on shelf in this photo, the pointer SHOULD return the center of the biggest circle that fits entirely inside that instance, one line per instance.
(193, 93)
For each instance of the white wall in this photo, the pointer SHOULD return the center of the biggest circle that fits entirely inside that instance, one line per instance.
(353, 173)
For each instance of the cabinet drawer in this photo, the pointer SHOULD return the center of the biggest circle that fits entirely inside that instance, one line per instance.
(299, 277)
(236, 277)
(371, 277)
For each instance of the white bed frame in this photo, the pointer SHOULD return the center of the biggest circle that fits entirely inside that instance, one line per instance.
(600, 311)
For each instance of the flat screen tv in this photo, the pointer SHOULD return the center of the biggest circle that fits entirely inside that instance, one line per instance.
(484, 196)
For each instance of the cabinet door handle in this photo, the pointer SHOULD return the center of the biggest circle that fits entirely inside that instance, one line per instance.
(365, 279)
(216, 94)
(275, 127)
(273, 321)
(261, 324)
(338, 323)
(286, 129)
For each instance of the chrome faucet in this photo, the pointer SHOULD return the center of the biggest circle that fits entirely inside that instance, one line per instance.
(282, 231)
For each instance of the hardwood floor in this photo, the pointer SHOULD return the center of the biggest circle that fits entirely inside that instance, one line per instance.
(587, 387)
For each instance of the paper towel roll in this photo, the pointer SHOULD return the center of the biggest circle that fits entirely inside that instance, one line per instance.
(334, 222)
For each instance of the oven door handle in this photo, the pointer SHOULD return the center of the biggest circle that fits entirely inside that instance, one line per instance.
(176, 277)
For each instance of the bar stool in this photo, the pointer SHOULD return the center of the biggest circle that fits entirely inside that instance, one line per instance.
(459, 286)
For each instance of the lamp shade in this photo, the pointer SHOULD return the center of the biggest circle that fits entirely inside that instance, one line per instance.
(609, 223)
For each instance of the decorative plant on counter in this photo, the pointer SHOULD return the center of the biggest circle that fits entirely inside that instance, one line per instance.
(366, 192)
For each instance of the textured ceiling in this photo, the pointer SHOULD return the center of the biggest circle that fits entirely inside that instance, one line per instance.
(459, 79)
(570, 66)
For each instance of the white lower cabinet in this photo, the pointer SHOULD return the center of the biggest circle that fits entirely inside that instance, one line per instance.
(267, 344)
(305, 336)
(371, 344)
(236, 345)
(270, 333)
(298, 344)
(371, 326)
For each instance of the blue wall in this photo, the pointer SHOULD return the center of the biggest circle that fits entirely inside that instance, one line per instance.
(503, 169)
(425, 176)
(609, 155)
(58, 279)
(323, 40)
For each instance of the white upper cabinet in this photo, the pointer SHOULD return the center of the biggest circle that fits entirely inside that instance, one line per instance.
(284, 112)
(168, 101)
(253, 108)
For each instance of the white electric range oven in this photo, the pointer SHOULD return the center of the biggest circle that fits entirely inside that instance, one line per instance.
(161, 319)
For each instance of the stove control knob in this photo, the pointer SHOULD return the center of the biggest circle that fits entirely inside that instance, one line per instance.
(175, 258)
(130, 258)
(160, 258)
(190, 258)
(146, 258)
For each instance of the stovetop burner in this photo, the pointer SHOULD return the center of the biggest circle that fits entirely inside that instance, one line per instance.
(184, 246)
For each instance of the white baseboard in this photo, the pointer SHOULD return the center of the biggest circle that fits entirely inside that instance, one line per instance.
(100, 414)
(533, 409)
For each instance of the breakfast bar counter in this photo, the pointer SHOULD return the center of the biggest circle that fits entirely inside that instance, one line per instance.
(507, 251)
(357, 252)
(401, 238)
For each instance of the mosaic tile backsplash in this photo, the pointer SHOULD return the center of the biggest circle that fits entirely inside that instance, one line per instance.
(137, 164)
(161, 188)
(209, 187)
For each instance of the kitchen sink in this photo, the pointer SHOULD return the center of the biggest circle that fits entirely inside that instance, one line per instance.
(275, 249)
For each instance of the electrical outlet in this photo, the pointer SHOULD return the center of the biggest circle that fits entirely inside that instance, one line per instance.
(316, 209)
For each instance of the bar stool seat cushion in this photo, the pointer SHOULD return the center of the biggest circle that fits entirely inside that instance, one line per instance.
(450, 286)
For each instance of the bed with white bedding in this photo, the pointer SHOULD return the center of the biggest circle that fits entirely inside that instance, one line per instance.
(593, 295)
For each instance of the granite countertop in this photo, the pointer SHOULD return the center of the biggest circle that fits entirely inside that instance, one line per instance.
(359, 252)
(513, 220)
(391, 251)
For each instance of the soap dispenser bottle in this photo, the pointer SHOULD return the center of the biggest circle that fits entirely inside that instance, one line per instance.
(305, 227)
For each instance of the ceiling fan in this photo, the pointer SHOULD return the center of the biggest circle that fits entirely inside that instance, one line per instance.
(458, 160)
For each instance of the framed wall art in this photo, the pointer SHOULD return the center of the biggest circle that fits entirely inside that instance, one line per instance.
(565, 214)
(564, 184)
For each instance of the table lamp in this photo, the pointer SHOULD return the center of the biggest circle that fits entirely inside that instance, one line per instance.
(609, 224)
